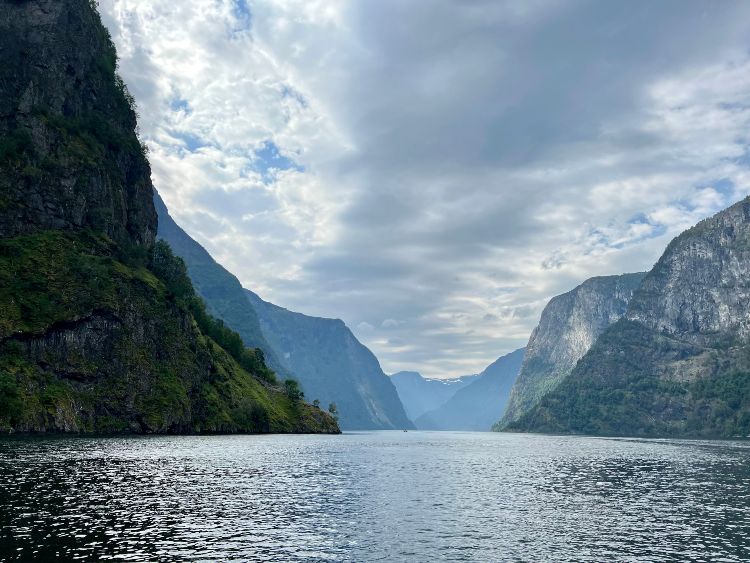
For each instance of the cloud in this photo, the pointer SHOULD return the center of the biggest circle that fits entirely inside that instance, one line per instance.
(434, 174)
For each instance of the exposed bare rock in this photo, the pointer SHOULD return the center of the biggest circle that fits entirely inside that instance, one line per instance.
(569, 326)
(678, 363)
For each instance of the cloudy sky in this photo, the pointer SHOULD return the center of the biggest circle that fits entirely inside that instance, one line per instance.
(432, 172)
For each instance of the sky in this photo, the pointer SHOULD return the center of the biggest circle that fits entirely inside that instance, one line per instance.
(433, 172)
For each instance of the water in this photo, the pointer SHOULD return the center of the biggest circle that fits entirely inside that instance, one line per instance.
(379, 496)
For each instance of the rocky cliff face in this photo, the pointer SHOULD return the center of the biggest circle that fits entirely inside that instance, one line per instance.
(678, 362)
(332, 366)
(70, 156)
(100, 329)
(569, 326)
(420, 395)
(700, 288)
(480, 404)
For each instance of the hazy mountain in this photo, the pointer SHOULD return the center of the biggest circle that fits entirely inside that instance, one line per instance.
(478, 405)
(569, 326)
(224, 295)
(419, 394)
(677, 364)
(332, 366)
(100, 329)
(322, 354)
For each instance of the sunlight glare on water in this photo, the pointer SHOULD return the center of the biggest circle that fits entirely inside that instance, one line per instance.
(373, 496)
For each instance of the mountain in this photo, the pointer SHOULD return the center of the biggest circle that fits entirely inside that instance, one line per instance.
(568, 327)
(419, 394)
(678, 362)
(322, 354)
(100, 328)
(478, 405)
(332, 366)
(224, 295)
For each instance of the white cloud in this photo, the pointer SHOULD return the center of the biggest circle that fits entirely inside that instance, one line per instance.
(445, 168)
(365, 327)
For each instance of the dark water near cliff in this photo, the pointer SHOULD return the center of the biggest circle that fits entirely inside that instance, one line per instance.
(381, 496)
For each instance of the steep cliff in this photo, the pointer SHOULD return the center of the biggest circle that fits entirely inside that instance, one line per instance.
(420, 395)
(569, 326)
(70, 157)
(678, 363)
(332, 366)
(480, 404)
(100, 329)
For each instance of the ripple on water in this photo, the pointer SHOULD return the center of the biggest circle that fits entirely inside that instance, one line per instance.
(379, 496)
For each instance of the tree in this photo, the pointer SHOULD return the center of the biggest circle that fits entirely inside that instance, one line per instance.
(333, 410)
(316, 403)
(171, 270)
(291, 387)
(11, 406)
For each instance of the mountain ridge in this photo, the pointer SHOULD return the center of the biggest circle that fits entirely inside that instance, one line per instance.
(364, 397)
(332, 366)
(677, 363)
(222, 291)
(421, 394)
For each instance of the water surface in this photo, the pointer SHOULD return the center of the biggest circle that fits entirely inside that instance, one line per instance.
(375, 496)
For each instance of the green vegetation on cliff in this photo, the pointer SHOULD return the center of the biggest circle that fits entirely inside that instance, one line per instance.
(92, 343)
(678, 362)
(100, 328)
(614, 391)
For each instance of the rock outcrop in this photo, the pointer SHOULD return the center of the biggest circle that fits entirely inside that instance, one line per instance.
(678, 362)
(569, 326)
(70, 156)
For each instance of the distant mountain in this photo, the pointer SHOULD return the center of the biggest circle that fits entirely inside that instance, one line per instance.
(481, 403)
(419, 394)
(569, 326)
(224, 295)
(322, 354)
(678, 363)
(332, 366)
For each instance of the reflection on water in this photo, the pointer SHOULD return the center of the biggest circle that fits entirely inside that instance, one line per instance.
(380, 496)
